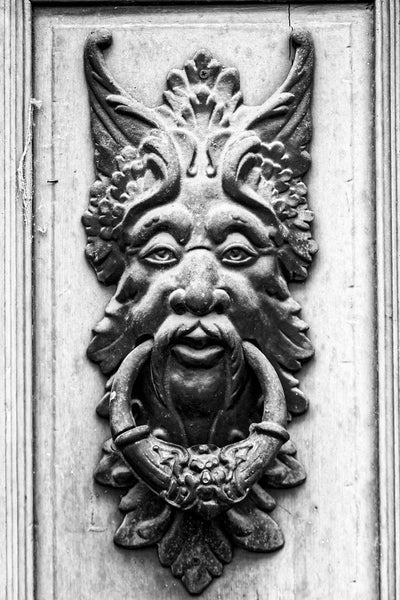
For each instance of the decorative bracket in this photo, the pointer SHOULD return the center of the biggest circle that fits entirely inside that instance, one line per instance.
(199, 216)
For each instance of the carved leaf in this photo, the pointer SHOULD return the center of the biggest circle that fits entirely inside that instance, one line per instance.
(204, 94)
(112, 469)
(196, 551)
(297, 402)
(147, 518)
(102, 408)
(288, 344)
(283, 339)
(113, 338)
(261, 498)
(251, 528)
(285, 471)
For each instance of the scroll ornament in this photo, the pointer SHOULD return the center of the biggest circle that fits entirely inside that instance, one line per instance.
(199, 217)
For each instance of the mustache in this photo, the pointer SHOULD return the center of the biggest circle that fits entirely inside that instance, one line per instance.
(218, 328)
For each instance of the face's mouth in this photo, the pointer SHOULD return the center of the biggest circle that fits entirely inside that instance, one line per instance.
(198, 349)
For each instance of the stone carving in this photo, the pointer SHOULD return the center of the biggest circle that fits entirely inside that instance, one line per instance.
(199, 216)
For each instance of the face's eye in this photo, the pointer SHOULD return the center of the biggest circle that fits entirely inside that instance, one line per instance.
(161, 255)
(238, 254)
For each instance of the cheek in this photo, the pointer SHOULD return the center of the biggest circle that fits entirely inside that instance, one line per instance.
(149, 289)
(247, 289)
(245, 284)
(134, 283)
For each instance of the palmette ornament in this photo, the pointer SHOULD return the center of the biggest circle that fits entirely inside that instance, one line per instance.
(199, 216)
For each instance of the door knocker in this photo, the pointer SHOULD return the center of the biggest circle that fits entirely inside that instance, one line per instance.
(199, 217)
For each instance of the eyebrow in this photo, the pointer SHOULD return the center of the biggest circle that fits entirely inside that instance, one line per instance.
(174, 220)
(224, 221)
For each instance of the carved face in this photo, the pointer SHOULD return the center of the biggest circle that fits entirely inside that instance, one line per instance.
(181, 262)
(195, 279)
(201, 224)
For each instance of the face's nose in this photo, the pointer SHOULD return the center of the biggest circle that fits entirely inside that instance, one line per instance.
(199, 293)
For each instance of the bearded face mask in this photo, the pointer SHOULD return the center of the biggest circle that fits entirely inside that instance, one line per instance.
(199, 216)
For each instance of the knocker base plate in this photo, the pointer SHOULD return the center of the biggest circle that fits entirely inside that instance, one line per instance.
(199, 214)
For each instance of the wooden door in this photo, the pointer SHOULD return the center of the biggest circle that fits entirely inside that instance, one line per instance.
(338, 525)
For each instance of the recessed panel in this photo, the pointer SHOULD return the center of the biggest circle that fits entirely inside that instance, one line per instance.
(330, 521)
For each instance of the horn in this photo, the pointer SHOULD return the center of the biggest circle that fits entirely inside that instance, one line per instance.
(161, 158)
(141, 449)
(266, 437)
(241, 156)
(121, 418)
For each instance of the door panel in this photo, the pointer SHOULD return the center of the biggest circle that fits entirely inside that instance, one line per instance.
(330, 522)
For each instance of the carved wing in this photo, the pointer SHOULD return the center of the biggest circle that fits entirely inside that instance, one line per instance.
(286, 116)
(118, 120)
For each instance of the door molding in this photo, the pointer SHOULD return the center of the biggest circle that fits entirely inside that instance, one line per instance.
(16, 326)
(16, 444)
(387, 171)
